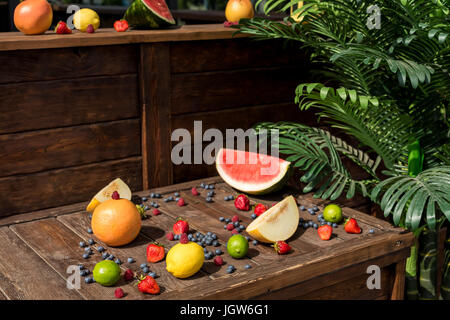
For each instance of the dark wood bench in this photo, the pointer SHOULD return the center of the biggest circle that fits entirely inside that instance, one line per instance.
(41, 246)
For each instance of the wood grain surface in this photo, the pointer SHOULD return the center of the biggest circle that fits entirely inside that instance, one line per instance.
(105, 36)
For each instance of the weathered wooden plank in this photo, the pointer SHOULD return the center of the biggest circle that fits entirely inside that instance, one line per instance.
(78, 62)
(339, 276)
(232, 89)
(154, 73)
(58, 148)
(108, 36)
(65, 186)
(230, 55)
(398, 288)
(68, 102)
(24, 275)
(79, 223)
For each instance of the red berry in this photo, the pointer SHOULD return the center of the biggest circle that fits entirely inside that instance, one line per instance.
(325, 232)
(194, 191)
(260, 209)
(230, 226)
(155, 252)
(90, 29)
(235, 218)
(119, 293)
(184, 238)
(235, 231)
(218, 261)
(181, 202)
(169, 236)
(351, 226)
(128, 275)
(115, 195)
(156, 212)
(282, 247)
(181, 226)
(242, 202)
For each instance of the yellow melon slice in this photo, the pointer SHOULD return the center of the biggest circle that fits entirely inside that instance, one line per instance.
(278, 223)
(105, 194)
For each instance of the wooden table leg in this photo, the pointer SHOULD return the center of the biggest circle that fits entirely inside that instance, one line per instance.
(398, 289)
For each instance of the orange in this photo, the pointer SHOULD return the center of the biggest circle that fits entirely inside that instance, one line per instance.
(239, 9)
(33, 16)
(116, 222)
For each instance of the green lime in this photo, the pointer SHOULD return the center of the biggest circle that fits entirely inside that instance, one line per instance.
(332, 213)
(106, 272)
(237, 246)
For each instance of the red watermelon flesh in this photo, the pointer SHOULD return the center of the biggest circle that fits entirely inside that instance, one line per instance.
(149, 14)
(251, 172)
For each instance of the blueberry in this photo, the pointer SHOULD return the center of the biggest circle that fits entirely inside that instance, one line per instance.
(211, 186)
(236, 224)
(247, 237)
(229, 270)
(214, 236)
(311, 223)
(87, 249)
(80, 266)
(202, 185)
(166, 200)
(215, 243)
(87, 280)
(176, 237)
(329, 223)
(208, 242)
(305, 225)
(199, 243)
(82, 244)
(100, 249)
(334, 225)
(231, 267)
(157, 195)
(198, 234)
(230, 197)
(155, 205)
(218, 252)
(105, 255)
(302, 208)
(144, 198)
(241, 227)
(146, 208)
(226, 198)
(176, 194)
(118, 261)
(224, 226)
(152, 274)
(227, 220)
(205, 250)
(253, 215)
(89, 230)
(85, 256)
(210, 194)
(91, 241)
(371, 231)
(221, 219)
(247, 266)
(208, 199)
(130, 260)
(90, 216)
(315, 226)
(146, 270)
(189, 236)
(315, 208)
(301, 220)
(255, 242)
(143, 265)
(152, 195)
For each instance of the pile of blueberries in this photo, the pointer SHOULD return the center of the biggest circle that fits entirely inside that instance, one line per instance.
(85, 273)
(145, 269)
(210, 194)
(175, 197)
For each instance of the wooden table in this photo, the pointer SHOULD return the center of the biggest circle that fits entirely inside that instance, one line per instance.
(37, 248)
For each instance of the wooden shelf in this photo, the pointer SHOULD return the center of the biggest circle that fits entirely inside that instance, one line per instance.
(19, 41)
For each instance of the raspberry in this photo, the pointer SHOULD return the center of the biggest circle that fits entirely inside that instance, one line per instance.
(242, 202)
(169, 236)
(184, 238)
(194, 191)
(156, 212)
(181, 202)
(90, 29)
(235, 218)
(260, 209)
(235, 231)
(119, 293)
(230, 226)
(115, 195)
(218, 261)
(128, 275)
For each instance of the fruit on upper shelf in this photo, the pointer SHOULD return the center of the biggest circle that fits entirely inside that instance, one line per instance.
(33, 16)
(149, 14)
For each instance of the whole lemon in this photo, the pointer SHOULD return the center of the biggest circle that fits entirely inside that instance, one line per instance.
(185, 260)
(84, 17)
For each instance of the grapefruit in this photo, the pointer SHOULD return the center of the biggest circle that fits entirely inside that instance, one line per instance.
(33, 16)
(239, 9)
(278, 223)
(251, 172)
(105, 194)
(116, 222)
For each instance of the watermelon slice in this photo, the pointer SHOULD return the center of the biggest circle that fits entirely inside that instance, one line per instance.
(149, 14)
(252, 173)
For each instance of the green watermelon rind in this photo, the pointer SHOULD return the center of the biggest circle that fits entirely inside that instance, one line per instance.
(285, 174)
(138, 15)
